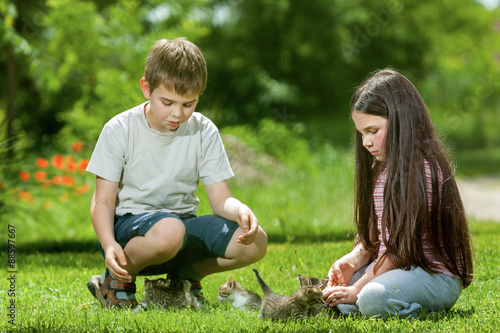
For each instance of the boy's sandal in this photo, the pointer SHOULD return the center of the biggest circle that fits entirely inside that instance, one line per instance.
(196, 291)
(198, 295)
(106, 293)
(176, 283)
(94, 286)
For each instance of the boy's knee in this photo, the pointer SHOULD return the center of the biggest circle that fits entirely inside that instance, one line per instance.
(373, 300)
(169, 236)
(254, 252)
(260, 245)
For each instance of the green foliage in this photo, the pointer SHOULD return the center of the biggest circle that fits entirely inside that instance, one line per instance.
(273, 138)
(286, 60)
(49, 195)
(478, 162)
(315, 182)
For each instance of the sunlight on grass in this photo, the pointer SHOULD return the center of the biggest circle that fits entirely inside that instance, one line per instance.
(52, 295)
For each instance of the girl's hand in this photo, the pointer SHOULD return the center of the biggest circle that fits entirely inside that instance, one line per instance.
(115, 260)
(248, 222)
(340, 295)
(340, 273)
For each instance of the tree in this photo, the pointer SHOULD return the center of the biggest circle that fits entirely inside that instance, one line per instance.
(294, 61)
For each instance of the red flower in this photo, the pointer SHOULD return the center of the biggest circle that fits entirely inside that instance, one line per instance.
(24, 176)
(26, 196)
(82, 165)
(58, 161)
(40, 176)
(42, 163)
(70, 164)
(57, 180)
(77, 146)
(82, 189)
(68, 181)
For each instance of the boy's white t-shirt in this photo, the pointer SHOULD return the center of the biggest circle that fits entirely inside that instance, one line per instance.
(159, 172)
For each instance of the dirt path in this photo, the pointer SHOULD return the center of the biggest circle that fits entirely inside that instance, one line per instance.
(481, 196)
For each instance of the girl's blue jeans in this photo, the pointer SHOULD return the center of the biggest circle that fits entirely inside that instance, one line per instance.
(404, 293)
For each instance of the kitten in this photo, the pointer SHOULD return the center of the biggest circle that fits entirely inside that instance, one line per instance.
(161, 295)
(321, 283)
(312, 281)
(239, 297)
(295, 306)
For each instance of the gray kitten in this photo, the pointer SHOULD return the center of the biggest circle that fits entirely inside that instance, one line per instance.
(159, 294)
(296, 306)
(239, 297)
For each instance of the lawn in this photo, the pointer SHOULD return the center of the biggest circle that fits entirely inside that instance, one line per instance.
(51, 295)
(302, 198)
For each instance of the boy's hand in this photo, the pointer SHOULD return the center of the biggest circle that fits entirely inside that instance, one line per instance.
(115, 260)
(248, 222)
(225, 205)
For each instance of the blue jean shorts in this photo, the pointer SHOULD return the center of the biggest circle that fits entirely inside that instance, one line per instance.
(206, 236)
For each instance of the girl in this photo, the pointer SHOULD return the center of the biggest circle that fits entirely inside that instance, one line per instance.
(413, 247)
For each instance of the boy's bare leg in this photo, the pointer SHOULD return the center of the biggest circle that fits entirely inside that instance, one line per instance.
(160, 244)
(237, 255)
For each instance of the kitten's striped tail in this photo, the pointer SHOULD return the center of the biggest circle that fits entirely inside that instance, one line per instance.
(265, 288)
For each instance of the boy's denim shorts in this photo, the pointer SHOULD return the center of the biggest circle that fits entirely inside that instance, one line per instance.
(206, 236)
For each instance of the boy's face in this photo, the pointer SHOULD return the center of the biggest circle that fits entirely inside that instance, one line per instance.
(167, 110)
(373, 129)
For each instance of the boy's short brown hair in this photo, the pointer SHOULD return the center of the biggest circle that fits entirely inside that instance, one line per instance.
(177, 64)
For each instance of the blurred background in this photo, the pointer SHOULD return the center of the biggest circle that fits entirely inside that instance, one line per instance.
(281, 73)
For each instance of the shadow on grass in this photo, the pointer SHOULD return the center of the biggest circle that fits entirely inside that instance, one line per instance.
(87, 245)
(447, 314)
(90, 245)
(341, 235)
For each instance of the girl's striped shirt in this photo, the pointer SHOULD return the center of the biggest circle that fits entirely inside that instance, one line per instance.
(378, 198)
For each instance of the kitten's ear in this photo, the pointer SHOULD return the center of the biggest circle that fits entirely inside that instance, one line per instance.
(230, 283)
(186, 286)
(302, 280)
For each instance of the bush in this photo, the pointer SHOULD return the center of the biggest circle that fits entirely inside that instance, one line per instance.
(50, 196)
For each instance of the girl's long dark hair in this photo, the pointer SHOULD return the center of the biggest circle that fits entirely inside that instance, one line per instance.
(411, 138)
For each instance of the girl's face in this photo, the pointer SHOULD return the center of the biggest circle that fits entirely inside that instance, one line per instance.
(373, 130)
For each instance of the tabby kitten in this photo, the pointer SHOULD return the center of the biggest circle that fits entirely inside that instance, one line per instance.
(312, 281)
(321, 283)
(239, 297)
(296, 306)
(159, 294)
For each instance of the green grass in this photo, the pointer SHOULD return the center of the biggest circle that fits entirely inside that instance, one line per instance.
(51, 295)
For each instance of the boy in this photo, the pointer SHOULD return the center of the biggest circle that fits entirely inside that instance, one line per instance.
(148, 162)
